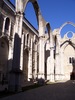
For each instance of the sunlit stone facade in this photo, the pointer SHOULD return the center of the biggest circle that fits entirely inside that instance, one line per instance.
(27, 54)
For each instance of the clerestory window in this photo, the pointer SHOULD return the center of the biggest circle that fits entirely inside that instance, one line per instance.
(71, 60)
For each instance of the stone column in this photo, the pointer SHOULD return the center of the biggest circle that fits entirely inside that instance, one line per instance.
(10, 56)
(25, 40)
(22, 49)
(35, 56)
(17, 41)
(62, 64)
(48, 68)
(41, 58)
(52, 63)
(15, 73)
(41, 47)
(51, 58)
(30, 62)
(57, 67)
(3, 29)
(9, 29)
(47, 60)
(57, 63)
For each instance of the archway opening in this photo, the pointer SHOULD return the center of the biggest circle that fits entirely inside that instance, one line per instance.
(69, 34)
(12, 1)
(30, 15)
(4, 50)
(7, 24)
(68, 61)
(67, 27)
(47, 48)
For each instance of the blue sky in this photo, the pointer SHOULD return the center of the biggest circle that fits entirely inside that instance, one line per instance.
(56, 12)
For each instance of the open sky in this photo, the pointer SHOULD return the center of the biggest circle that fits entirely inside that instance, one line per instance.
(56, 12)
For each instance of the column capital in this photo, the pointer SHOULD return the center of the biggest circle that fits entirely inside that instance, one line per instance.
(19, 13)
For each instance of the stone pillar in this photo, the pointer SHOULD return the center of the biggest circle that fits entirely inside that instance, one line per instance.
(3, 29)
(12, 48)
(62, 64)
(47, 60)
(17, 41)
(22, 49)
(11, 42)
(15, 74)
(57, 63)
(30, 62)
(25, 40)
(10, 56)
(41, 47)
(52, 64)
(35, 55)
(9, 29)
(57, 67)
(51, 58)
(48, 68)
(41, 58)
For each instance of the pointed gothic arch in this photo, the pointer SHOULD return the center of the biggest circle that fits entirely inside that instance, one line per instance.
(21, 6)
(48, 27)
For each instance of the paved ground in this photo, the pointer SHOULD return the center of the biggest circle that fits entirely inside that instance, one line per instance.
(57, 91)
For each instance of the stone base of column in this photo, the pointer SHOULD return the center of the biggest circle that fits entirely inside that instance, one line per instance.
(29, 77)
(52, 78)
(41, 75)
(14, 82)
(59, 77)
(48, 76)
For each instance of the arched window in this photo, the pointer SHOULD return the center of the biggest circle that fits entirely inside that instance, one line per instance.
(7, 26)
(24, 41)
(29, 16)
(70, 60)
(73, 60)
(7, 23)
(30, 43)
(27, 38)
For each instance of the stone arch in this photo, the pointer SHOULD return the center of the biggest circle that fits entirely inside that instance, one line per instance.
(72, 34)
(66, 23)
(69, 66)
(26, 51)
(56, 43)
(23, 3)
(47, 46)
(4, 52)
(5, 45)
(28, 37)
(21, 6)
(67, 42)
(36, 8)
(7, 23)
(48, 28)
(6, 26)
(24, 42)
(68, 53)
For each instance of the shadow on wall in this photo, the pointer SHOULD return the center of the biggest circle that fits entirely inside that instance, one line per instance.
(47, 54)
(72, 75)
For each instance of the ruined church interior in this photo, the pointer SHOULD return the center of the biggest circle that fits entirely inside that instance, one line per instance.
(27, 53)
